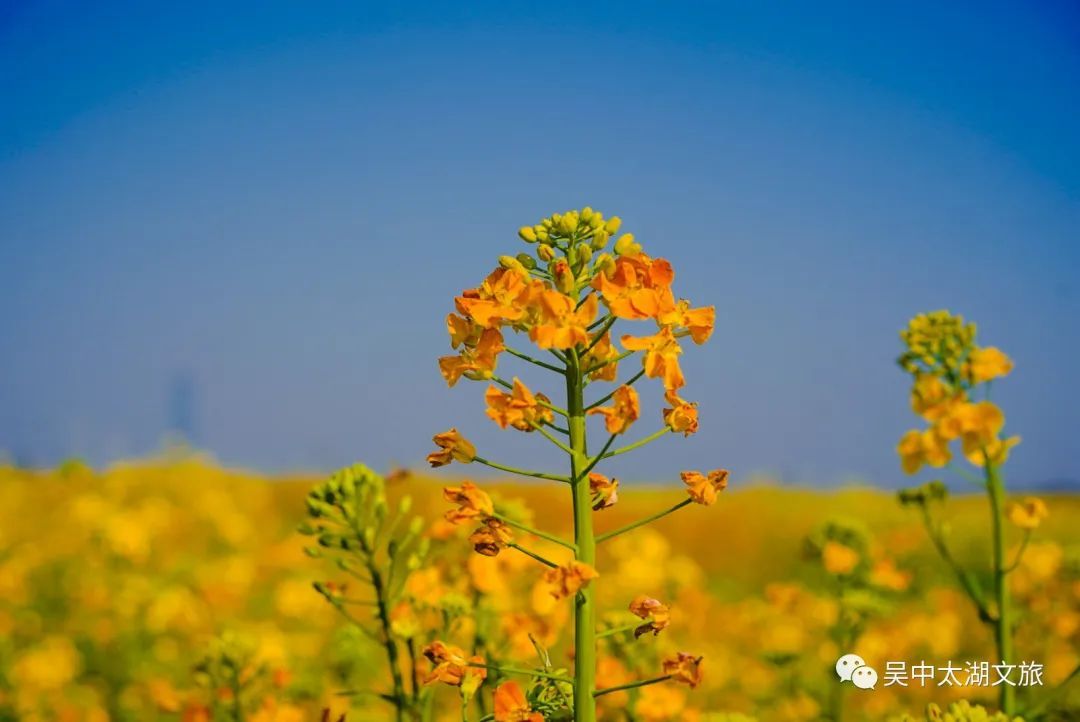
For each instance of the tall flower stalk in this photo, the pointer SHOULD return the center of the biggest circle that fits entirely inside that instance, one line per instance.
(952, 378)
(566, 299)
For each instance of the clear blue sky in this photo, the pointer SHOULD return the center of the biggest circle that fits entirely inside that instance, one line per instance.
(279, 200)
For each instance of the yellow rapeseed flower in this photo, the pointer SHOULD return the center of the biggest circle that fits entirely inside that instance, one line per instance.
(623, 412)
(566, 580)
(985, 364)
(520, 408)
(1029, 513)
(452, 447)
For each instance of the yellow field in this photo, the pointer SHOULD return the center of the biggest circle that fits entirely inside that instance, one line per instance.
(121, 592)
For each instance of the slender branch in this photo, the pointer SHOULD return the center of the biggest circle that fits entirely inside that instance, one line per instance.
(1054, 693)
(596, 459)
(642, 522)
(547, 405)
(967, 581)
(521, 472)
(638, 444)
(607, 398)
(535, 532)
(602, 364)
(600, 334)
(966, 475)
(617, 630)
(534, 555)
(556, 427)
(552, 439)
(558, 354)
(537, 362)
(414, 677)
(524, 672)
(631, 685)
(1019, 553)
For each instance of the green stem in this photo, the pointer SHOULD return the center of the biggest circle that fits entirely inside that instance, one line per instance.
(602, 364)
(552, 439)
(584, 540)
(535, 532)
(534, 555)
(618, 630)
(967, 580)
(537, 362)
(388, 642)
(1019, 552)
(596, 459)
(631, 685)
(523, 672)
(520, 472)
(638, 444)
(600, 334)
(547, 405)
(642, 522)
(603, 400)
(1003, 632)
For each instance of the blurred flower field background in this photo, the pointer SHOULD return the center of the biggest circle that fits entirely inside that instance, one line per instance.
(171, 588)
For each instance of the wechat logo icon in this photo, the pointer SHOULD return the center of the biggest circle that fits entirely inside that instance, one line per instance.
(853, 668)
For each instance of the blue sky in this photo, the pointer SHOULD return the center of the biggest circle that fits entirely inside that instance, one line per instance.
(278, 202)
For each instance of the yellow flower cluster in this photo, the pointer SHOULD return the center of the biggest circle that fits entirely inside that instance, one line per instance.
(947, 370)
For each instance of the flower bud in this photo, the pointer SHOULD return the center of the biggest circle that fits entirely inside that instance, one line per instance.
(546, 253)
(605, 263)
(584, 253)
(625, 245)
(526, 260)
(587, 214)
(527, 234)
(512, 264)
(599, 239)
(568, 223)
(612, 226)
(563, 276)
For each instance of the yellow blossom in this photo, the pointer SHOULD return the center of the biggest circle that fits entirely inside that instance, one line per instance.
(473, 503)
(491, 537)
(661, 357)
(684, 669)
(624, 411)
(477, 359)
(705, 489)
(449, 664)
(917, 448)
(699, 322)
(452, 447)
(682, 416)
(602, 357)
(1029, 513)
(838, 558)
(654, 610)
(511, 705)
(637, 288)
(985, 364)
(500, 299)
(567, 580)
(560, 323)
(884, 574)
(519, 408)
(931, 398)
(605, 491)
